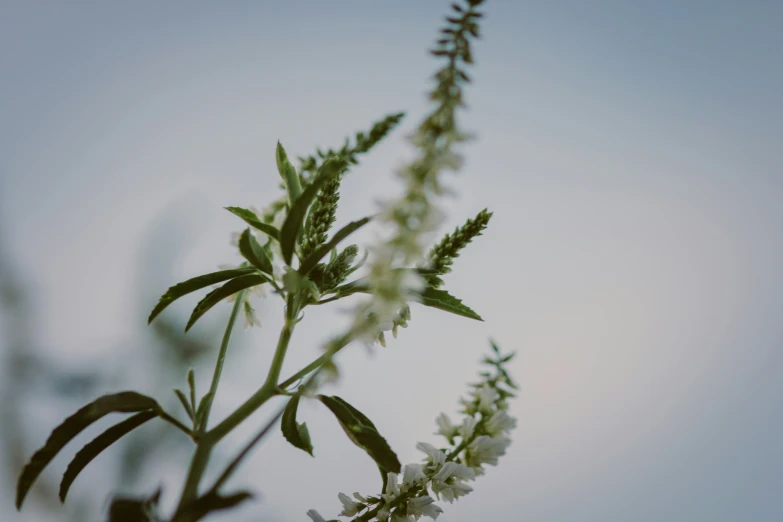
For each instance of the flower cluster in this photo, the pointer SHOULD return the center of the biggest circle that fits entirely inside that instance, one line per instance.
(445, 473)
(411, 218)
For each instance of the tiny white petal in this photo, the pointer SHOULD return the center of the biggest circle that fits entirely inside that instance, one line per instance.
(350, 508)
(313, 514)
(468, 425)
(424, 506)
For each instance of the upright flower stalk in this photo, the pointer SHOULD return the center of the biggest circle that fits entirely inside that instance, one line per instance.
(411, 218)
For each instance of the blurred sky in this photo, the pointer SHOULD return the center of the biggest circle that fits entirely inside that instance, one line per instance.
(631, 152)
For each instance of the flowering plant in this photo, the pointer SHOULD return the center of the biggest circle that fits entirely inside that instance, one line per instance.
(288, 253)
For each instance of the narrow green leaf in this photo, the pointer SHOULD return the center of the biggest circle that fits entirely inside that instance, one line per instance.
(433, 297)
(210, 502)
(324, 249)
(251, 219)
(123, 402)
(294, 432)
(289, 233)
(445, 301)
(202, 405)
(288, 173)
(363, 433)
(254, 252)
(197, 283)
(227, 290)
(192, 386)
(185, 404)
(100, 443)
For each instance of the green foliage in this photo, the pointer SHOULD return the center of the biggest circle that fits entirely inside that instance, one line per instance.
(363, 143)
(289, 175)
(328, 276)
(444, 301)
(227, 290)
(363, 433)
(321, 251)
(310, 205)
(322, 216)
(100, 443)
(209, 503)
(294, 432)
(123, 402)
(185, 404)
(251, 219)
(134, 509)
(200, 411)
(254, 252)
(289, 233)
(442, 255)
(196, 283)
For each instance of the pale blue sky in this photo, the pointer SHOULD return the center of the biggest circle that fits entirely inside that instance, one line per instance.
(630, 151)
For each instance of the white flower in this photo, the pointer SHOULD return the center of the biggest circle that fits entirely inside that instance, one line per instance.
(350, 508)
(424, 506)
(435, 457)
(454, 470)
(251, 317)
(361, 498)
(392, 490)
(313, 514)
(486, 396)
(413, 474)
(447, 483)
(466, 430)
(451, 491)
(499, 423)
(445, 427)
(486, 450)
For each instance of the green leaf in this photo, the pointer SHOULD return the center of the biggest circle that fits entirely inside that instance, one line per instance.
(197, 283)
(227, 290)
(251, 219)
(363, 433)
(185, 404)
(288, 173)
(210, 502)
(100, 443)
(433, 297)
(289, 233)
(445, 301)
(192, 386)
(324, 249)
(202, 405)
(123, 402)
(124, 509)
(294, 432)
(254, 252)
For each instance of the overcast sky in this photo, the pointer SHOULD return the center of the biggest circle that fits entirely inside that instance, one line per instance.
(630, 151)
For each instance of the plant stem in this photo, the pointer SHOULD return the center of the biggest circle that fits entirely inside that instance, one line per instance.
(269, 388)
(333, 347)
(207, 441)
(168, 418)
(203, 446)
(210, 397)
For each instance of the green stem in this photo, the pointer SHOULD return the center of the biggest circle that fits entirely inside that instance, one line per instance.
(269, 388)
(168, 418)
(210, 397)
(204, 447)
(334, 347)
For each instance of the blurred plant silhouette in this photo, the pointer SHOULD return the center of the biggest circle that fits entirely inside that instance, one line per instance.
(30, 376)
